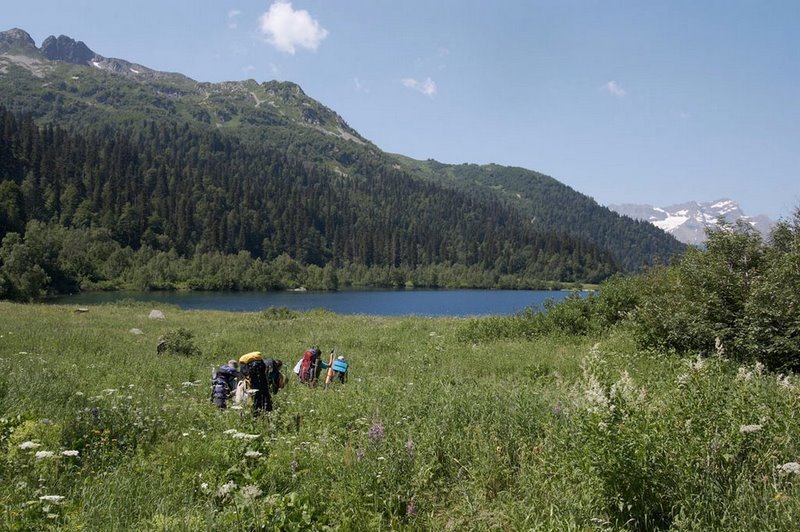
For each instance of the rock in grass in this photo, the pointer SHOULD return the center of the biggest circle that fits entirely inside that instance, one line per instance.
(136, 332)
(157, 315)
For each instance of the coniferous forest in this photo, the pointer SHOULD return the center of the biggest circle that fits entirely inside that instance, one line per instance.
(162, 205)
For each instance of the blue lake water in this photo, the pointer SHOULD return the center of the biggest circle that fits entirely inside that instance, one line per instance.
(371, 302)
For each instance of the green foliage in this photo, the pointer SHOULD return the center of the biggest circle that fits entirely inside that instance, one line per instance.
(543, 433)
(178, 342)
(279, 314)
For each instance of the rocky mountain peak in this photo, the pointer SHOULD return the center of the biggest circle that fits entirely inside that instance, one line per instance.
(16, 37)
(67, 49)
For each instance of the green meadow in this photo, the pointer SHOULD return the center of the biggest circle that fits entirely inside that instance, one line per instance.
(434, 430)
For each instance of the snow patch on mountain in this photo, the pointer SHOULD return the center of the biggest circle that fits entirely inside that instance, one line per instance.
(688, 221)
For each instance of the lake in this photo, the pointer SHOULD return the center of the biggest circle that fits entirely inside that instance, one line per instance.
(372, 302)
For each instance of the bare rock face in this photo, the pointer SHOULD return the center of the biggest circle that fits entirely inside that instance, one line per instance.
(17, 38)
(67, 49)
(156, 315)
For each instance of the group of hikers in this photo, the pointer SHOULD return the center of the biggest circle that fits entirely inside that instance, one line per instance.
(258, 378)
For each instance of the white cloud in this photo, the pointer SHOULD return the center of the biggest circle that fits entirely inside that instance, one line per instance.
(612, 87)
(232, 15)
(360, 86)
(427, 87)
(287, 29)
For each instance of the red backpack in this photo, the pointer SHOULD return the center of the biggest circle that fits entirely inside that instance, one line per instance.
(308, 368)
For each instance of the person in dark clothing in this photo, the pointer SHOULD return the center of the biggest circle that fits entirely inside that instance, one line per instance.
(254, 368)
(223, 383)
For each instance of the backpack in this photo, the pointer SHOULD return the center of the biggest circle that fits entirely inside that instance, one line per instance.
(274, 376)
(308, 367)
(223, 383)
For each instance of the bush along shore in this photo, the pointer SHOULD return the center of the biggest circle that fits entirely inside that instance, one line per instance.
(666, 400)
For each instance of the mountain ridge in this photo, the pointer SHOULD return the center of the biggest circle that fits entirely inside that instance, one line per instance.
(689, 221)
(113, 93)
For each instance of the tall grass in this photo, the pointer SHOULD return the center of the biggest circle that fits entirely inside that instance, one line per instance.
(434, 430)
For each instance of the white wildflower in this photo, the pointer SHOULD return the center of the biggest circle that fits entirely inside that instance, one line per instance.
(184, 434)
(252, 454)
(226, 488)
(719, 349)
(250, 492)
(204, 486)
(109, 391)
(187, 384)
(236, 407)
(596, 396)
(79, 394)
(29, 445)
(784, 382)
(51, 498)
(243, 436)
(70, 453)
(44, 454)
(697, 364)
(745, 429)
(743, 375)
(758, 368)
(231, 431)
(789, 468)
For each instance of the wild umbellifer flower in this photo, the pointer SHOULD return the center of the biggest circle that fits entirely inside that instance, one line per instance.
(29, 445)
(70, 453)
(745, 429)
(376, 432)
(44, 454)
(51, 498)
(250, 492)
(789, 468)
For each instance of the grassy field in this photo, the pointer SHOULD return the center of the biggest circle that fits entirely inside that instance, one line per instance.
(99, 432)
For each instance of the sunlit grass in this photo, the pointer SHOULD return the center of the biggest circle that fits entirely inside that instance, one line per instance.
(431, 432)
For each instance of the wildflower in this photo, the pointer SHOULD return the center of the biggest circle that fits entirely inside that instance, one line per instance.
(29, 445)
(252, 454)
(250, 492)
(230, 431)
(79, 394)
(744, 429)
(51, 498)
(719, 349)
(410, 447)
(784, 382)
(44, 454)
(226, 489)
(187, 384)
(758, 368)
(596, 396)
(376, 432)
(698, 364)
(243, 436)
(411, 508)
(743, 375)
(789, 468)
(109, 391)
(204, 486)
(381, 458)
(70, 453)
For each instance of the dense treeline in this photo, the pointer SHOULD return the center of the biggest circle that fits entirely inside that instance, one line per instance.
(739, 298)
(174, 192)
(550, 203)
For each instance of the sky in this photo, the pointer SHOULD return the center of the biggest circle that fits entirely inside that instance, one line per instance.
(627, 101)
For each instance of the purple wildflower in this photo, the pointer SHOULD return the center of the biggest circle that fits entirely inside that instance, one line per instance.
(376, 432)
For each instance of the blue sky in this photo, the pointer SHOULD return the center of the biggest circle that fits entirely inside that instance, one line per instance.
(654, 102)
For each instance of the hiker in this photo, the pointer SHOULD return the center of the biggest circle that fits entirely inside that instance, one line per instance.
(339, 368)
(254, 369)
(223, 383)
(310, 366)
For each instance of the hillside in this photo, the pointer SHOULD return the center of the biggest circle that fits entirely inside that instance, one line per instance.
(263, 168)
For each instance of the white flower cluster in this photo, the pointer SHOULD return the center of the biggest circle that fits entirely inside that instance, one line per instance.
(789, 468)
(747, 429)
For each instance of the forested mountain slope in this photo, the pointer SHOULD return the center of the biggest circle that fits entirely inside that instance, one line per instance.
(163, 161)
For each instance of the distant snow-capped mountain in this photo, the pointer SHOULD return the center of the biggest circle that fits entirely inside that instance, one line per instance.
(688, 221)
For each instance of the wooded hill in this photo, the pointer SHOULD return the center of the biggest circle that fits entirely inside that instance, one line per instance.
(164, 162)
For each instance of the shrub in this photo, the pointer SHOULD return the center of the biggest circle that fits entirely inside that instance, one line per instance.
(178, 342)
